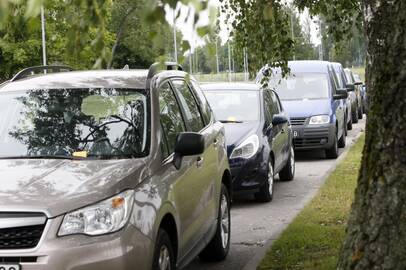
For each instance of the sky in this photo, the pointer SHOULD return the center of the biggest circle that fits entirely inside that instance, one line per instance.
(184, 23)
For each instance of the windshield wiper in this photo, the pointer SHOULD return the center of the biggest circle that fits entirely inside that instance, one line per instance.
(230, 121)
(43, 157)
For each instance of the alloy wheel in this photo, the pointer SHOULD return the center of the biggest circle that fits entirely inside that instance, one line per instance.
(225, 221)
(270, 178)
(164, 259)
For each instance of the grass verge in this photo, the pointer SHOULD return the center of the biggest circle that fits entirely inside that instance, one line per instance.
(313, 240)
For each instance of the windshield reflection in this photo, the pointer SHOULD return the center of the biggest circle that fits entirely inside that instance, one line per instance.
(85, 123)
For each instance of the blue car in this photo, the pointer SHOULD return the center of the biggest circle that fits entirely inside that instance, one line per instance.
(314, 101)
(258, 136)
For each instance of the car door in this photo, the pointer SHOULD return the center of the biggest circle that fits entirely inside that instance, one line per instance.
(275, 137)
(202, 175)
(184, 184)
(337, 105)
(285, 127)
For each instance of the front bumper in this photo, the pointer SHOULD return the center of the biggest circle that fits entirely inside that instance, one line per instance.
(248, 175)
(126, 249)
(306, 137)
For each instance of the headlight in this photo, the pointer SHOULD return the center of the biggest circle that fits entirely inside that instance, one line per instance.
(247, 149)
(104, 217)
(319, 120)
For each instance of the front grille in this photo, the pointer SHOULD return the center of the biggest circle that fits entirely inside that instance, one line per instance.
(18, 259)
(298, 121)
(316, 132)
(309, 142)
(21, 237)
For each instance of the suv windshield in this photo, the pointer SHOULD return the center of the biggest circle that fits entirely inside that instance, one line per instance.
(99, 123)
(301, 86)
(234, 105)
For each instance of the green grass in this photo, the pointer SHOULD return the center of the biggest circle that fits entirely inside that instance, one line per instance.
(313, 240)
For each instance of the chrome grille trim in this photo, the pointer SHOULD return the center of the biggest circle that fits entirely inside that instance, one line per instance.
(16, 220)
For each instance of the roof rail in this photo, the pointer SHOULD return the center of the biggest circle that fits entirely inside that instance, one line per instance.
(159, 66)
(39, 69)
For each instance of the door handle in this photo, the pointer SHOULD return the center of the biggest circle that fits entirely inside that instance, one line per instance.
(199, 162)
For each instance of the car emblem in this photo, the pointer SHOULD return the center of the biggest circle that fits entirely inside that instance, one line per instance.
(295, 134)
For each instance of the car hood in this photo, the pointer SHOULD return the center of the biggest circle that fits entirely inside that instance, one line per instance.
(236, 133)
(307, 108)
(59, 186)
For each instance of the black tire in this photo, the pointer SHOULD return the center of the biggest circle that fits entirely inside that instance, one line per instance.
(342, 141)
(217, 250)
(288, 172)
(360, 112)
(265, 193)
(163, 248)
(332, 152)
(349, 124)
(355, 116)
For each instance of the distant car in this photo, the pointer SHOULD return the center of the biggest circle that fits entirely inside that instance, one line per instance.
(313, 100)
(350, 102)
(110, 169)
(258, 136)
(363, 93)
(357, 86)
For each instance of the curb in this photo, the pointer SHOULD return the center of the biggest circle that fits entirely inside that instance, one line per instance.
(261, 252)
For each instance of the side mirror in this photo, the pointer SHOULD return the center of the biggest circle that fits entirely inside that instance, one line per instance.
(350, 87)
(188, 144)
(279, 119)
(341, 94)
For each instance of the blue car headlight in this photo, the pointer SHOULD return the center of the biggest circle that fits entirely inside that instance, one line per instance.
(247, 149)
(319, 120)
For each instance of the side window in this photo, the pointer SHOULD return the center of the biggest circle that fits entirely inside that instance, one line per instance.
(269, 111)
(276, 106)
(204, 105)
(193, 117)
(171, 119)
(334, 83)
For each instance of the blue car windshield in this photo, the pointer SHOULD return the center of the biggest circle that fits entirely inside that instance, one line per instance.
(234, 105)
(301, 86)
(84, 123)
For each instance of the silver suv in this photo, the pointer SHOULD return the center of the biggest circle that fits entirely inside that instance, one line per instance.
(114, 169)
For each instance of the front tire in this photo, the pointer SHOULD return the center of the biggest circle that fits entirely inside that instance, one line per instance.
(332, 152)
(288, 172)
(342, 141)
(360, 112)
(354, 117)
(265, 193)
(218, 248)
(164, 258)
(349, 124)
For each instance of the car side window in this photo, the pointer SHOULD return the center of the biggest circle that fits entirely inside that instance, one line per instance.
(171, 119)
(204, 105)
(269, 111)
(190, 107)
(276, 107)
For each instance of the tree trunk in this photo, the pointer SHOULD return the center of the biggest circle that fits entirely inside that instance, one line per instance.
(376, 233)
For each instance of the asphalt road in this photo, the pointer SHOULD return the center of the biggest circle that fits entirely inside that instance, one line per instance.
(256, 225)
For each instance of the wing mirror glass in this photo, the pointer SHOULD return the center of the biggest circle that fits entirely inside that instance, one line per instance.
(188, 144)
(279, 119)
(350, 87)
(341, 94)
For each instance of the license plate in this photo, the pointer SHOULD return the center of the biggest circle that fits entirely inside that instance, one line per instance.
(295, 134)
(9, 267)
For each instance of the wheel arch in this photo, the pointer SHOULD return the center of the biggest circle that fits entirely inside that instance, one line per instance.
(168, 224)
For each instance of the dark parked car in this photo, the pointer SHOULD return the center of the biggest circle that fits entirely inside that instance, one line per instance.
(110, 169)
(363, 93)
(313, 100)
(350, 104)
(356, 87)
(258, 136)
